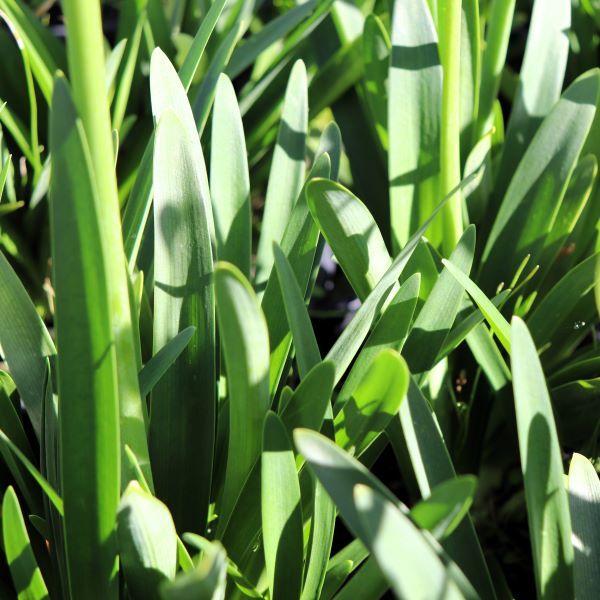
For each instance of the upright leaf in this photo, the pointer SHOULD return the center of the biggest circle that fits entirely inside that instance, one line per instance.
(229, 180)
(183, 404)
(87, 372)
(541, 464)
(414, 109)
(584, 504)
(246, 348)
(281, 511)
(287, 171)
(24, 570)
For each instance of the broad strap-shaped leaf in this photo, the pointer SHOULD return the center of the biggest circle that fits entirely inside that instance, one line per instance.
(183, 407)
(541, 463)
(446, 506)
(25, 342)
(377, 49)
(499, 26)
(437, 316)
(160, 363)
(281, 511)
(534, 196)
(389, 332)
(338, 472)
(308, 403)
(410, 565)
(584, 504)
(414, 119)
(432, 466)
(87, 370)
(493, 316)
(207, 581)
(245, 340)
(351, 339)
(408, 562)
(352, 233)
(541, 78)
(229, 180)
(167, 93)
(376, 400)
(305, 342)
(287, 171)
(300, 245)
(147, 541)
(22, 564)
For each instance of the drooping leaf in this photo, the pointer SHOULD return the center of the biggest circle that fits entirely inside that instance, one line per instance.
(408, 562)
(352, 233)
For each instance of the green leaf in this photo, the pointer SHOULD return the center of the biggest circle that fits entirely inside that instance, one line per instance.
(367, 584)
(432, 466)
(25, 342)
(499, 26)
(437, 316)
(540, 81)
(299, 243)
(342, 565)
(245, 342)
(183, 414)
(408, 562)
(351, 339)
(352, 233)
(87, 370)
(160, 363)
(206, 581)
(232, 569)
(550, 316)
(206, 93)
(339, 473)
(229, 180)
(584, 504)
(305, 343)
(443, 510)
(275, 30)
(493, 316)
(196, 50)
(533, 199)
(46, 54)
(308, 403)
(287, 171)
(127, 73)
(541, 464)
(24, 570)
(147, 542)
(281, 511)
(389, 332)
(376, 399)
(415, 84)
(376, 55)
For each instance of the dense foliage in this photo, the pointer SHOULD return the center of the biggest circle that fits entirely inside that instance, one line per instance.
(227, 376)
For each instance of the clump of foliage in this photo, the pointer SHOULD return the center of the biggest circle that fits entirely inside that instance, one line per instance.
(170, 426)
